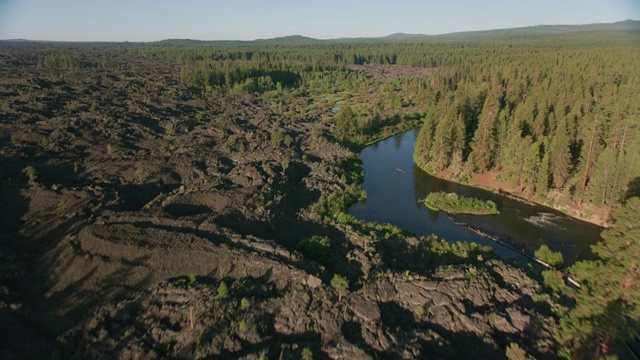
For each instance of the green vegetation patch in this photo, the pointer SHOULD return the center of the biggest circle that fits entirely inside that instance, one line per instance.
(316, 247)
(549, 256)
(331, 207)
(453, 203)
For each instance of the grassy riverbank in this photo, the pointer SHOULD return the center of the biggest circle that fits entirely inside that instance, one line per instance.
(453, 203)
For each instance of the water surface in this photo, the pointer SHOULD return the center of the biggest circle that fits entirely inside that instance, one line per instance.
(394, 184)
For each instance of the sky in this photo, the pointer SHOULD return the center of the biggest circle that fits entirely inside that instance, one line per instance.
(151, 20)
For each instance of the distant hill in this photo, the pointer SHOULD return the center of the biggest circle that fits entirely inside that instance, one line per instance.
(626, 25)
(192, 43)
(284, 40)
(404, 37)
(289, 40)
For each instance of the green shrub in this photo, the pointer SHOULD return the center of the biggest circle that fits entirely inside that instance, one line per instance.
(334, 205)
(340, 284)
(549, 256)
(62, 206)
(243, 326)
(31, 173)
(553, 279)
(307, 354)
(223, 290)
(353, 170)
(455, 252)
(4, 105)
(316, 247)
(515, 352)
(245, 304)
(193, 278)
(277, 138)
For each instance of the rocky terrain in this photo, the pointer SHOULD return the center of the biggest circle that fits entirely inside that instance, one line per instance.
(145, 219)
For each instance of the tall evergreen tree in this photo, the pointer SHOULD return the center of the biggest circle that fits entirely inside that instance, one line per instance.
(440, 153)
(484, 139)
(531, 168)
(458, 142)
(424, 142)
(513, 157)
(560, 155)
(502, 132)
(542, 176)
(608, 303)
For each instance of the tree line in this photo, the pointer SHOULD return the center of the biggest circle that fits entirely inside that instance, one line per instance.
(562, 120)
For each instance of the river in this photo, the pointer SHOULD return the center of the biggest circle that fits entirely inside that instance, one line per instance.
(392, 197)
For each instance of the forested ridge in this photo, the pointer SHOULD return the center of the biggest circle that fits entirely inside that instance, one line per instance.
(555, 114)
(558, 122)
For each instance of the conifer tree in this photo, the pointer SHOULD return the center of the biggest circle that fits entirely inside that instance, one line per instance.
(532, 165)
(458, 144)
(608, 303)
(484, 140)
(440, 153)
(542, 176)
(424, 142)
(559, 155)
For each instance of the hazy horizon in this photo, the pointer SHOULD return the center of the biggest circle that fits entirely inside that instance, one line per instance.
(310, 37)
(146, 20)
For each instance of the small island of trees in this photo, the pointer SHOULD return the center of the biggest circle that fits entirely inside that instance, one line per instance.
(453, 203)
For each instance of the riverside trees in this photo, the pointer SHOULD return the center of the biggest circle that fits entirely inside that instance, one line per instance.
(549, 118)
(608, 304)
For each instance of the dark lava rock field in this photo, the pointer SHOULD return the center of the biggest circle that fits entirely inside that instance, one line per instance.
(141, 218)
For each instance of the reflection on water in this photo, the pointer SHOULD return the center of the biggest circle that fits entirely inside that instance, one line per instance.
(392, 197)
